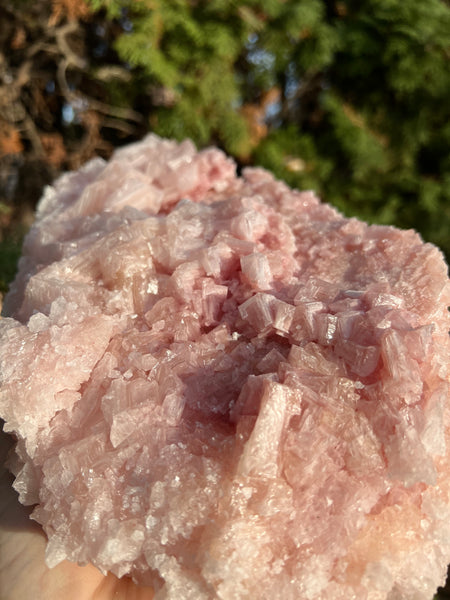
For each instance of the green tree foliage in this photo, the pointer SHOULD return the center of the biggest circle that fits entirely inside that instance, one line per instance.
(10, 249)
(362, 113)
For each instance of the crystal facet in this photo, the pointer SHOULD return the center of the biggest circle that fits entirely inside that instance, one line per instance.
(225, 389)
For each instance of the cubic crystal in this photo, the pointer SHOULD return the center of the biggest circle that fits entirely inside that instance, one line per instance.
(225, 389)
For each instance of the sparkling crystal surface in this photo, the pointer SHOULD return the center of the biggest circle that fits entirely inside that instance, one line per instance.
(227, 390)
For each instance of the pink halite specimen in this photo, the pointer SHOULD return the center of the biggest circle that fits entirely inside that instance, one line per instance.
(225, 389)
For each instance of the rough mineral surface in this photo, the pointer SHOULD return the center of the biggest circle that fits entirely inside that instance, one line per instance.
(225, 389)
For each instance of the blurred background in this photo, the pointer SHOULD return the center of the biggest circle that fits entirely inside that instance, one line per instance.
(350, 98)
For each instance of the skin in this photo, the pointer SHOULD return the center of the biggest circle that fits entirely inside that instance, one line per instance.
(23, 572)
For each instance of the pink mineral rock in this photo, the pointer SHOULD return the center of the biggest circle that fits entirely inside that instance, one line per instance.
(225, 389)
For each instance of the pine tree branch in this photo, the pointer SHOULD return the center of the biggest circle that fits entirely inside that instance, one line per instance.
(61, 33)
(84, 102)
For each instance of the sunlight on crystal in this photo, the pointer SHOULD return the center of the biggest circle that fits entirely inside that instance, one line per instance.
(223, 388)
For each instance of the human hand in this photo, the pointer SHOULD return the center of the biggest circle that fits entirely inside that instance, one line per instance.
(23, 572)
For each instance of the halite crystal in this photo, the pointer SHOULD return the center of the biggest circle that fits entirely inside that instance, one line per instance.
(225, 389)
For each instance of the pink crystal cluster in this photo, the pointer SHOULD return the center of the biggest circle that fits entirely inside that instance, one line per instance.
(225, 389)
